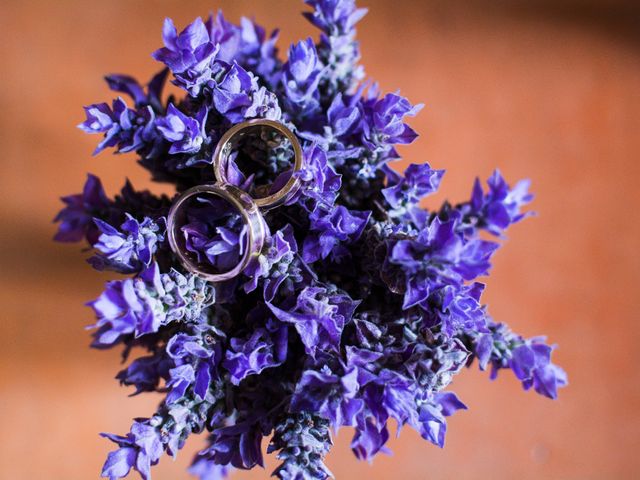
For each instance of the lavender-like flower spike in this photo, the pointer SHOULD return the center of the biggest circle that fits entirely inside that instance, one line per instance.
(138, 306)
(150, 438)
(529, 359)
(338, 48)
(302, 440)
(140, 449)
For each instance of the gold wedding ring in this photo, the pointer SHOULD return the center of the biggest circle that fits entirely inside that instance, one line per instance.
(247, 206)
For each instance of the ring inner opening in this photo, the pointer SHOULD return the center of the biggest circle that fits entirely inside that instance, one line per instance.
(212, 233)
(259, 160)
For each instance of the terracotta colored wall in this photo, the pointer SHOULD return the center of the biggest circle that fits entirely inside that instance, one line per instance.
(544, 91)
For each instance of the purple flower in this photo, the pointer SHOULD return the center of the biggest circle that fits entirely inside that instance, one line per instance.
(369, 440)
(234, 91)
(277, 267)
(120, 462)
(458, 308)
(384, 126)
(146, 373)
(189, 55)
(238, 97)
(122, 127)
(129, 249)
(391, 395)
(320, 181)
(438, 247)
(196, 355)
(501, 206)
(331, 230)
(247, 44)
(180, 379)
(419, 181)
(125, 128)
(342, 126)
(330, 394)
(206, 469)
(319, 317)
(149, 438)
(343, 118)
(130, 86)
(140, 449)
(123, 309)
(186, 134)
(237, 445)
(338, 48)
(250, 356)
(334, 17)
(215, 233)
(432, 423)
(76, 218)
(532, 366)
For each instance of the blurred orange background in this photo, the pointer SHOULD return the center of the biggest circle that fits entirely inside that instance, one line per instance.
(540, 89)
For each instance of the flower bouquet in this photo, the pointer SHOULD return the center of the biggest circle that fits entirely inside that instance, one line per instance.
(358, 306)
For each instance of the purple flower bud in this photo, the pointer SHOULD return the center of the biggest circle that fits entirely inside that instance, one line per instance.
(301, 76)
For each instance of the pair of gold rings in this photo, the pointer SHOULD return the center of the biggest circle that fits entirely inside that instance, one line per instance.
(249, 208)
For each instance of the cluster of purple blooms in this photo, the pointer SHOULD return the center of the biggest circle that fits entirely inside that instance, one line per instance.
(362, 305)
